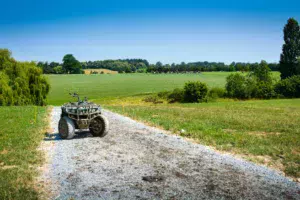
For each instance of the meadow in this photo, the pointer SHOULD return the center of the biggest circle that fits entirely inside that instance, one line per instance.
(100, 87)
(263, 131)
(21, 130)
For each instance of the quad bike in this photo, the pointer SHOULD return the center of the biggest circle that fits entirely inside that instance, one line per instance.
(81, 115)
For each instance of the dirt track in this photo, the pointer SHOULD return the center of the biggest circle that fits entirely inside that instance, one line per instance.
(135, 161)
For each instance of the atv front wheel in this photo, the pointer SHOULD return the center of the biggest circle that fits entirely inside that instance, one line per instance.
(66, 128)
(99, 126)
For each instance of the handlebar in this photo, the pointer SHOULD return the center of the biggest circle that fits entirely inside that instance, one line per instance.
(76, 95)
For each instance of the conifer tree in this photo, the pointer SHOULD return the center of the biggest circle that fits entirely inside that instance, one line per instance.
(290, 49)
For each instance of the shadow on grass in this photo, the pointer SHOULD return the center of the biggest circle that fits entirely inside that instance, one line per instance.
(56, 136)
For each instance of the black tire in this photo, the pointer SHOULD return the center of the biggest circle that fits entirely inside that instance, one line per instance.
(99, 126)
(66, 128)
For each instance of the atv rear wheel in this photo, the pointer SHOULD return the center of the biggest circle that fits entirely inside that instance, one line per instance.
(99, 126)
(66, 128)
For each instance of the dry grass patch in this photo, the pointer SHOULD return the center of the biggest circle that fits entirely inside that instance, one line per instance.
(99, 71)
(3, 152)
(263, 133)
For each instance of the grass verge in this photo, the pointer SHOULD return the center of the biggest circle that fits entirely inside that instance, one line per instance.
(264, 131)
(21, 131)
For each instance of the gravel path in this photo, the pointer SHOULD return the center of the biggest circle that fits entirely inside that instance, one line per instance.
(135, 161)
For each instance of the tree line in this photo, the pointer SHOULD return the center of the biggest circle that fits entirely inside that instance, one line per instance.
(70, 65)
(120, 65)
(195, 67)
(143, 66)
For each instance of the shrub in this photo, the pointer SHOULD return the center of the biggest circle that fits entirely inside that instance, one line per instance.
(164, 94)
(177, 95)
(236, 86)
(21, 83)
(264, 90)
(251, 87)
(153, 99)
(195, 92)
(246, 87)
(289, 87)
(264, 85)
(216, 92)
(257, 84)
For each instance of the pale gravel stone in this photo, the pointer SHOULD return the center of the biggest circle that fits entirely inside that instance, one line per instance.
(112, 167)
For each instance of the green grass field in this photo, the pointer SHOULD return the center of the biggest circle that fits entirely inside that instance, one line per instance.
(267, 132)
(101, 87)
(264, 131)
(21, 131)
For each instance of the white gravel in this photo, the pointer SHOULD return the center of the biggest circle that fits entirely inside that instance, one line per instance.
(112, 167)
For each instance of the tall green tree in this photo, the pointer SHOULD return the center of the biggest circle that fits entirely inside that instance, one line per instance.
(71, 65)
(290, 49)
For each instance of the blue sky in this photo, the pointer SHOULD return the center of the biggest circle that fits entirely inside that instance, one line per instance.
(167, 31)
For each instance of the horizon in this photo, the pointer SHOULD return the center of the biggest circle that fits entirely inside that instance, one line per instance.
(165, 31)
(60, 62)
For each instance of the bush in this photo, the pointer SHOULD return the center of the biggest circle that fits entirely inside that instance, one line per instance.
(236, 86)
(195, 92)
(251, 90)
(216, 92)
(153, 99)
(264, 86)
(257, 84)
(289, 87)
(264, 90)
(177, 95)
(21, 83)
(164, 94)
(246, 87)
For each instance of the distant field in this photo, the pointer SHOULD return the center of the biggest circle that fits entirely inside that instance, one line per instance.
(107, 86)
(22, 129)
(264, 131)
(105, 71)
